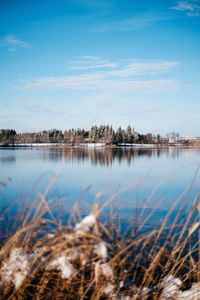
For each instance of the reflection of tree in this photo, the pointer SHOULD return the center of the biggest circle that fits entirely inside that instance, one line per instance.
(106, 156)
(103, 156)
(53, 154)
(7, 160)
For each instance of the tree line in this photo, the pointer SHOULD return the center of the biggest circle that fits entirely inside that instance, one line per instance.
(97, 134)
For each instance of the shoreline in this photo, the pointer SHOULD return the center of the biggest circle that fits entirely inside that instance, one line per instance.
(98, 145)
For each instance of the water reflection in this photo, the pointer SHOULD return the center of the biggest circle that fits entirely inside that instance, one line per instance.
(7, 160)
(96, 156)
(102, 169)
(106, 157)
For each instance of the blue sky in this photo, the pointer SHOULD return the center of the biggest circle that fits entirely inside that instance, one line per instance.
(76, 63)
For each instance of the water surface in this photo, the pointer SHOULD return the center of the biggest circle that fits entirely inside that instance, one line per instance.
(131, 174)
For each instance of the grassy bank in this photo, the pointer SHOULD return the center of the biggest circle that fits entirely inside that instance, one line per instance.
(92, 259)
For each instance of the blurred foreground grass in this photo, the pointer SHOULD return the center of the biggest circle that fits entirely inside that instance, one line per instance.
(93, 259)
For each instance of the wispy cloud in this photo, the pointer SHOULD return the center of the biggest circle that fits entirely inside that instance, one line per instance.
(13, 43)
(142, 21)
(90, 57)
(91, 62)
(134, 22)
(144, 68)
(86, 82)
(130, 67)
(123, 78)
(191, 7)
(93, 66)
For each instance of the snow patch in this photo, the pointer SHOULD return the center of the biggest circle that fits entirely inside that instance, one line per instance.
(101, 250)
(63, 265)
(16, 268)
(106, 270)
(192, 294)
(50, 235)
(85, 225)
(109, 289)
(170, 286)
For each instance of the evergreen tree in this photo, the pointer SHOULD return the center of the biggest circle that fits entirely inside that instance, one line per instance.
(119, 136)
(7, 136)
(129, 135)
(158, 139)
(93, 134)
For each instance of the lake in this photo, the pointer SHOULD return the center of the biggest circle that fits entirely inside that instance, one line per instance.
(128, 174)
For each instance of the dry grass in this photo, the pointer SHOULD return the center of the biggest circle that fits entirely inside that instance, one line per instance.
(92, 259)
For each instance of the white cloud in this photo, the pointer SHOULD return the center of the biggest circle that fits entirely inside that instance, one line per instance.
(143, 68)
(91, 82)
(91, 62)
(96, 66)
(191, 7)
(13, 43)
(124, 68)
(124, 78)
(90, 57)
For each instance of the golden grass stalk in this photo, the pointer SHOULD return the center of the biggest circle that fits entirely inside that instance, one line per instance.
(92, 259)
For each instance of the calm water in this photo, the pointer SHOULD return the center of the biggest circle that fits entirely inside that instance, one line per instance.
(131, 173)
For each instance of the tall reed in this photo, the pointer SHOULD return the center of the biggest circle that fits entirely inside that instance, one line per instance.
(92, 258)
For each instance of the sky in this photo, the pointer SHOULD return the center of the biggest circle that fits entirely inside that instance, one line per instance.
(77, 63)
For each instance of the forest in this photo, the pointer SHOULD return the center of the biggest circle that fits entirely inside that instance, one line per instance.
(97, 134)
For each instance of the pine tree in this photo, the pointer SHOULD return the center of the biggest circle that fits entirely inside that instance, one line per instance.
(119, 136)
(129, 135)
(94, 134)
(158, 139)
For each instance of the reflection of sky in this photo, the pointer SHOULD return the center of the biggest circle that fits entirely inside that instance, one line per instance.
(135, 179)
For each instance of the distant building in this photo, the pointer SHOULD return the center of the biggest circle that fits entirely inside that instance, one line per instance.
(173, 140)
(190, 137)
